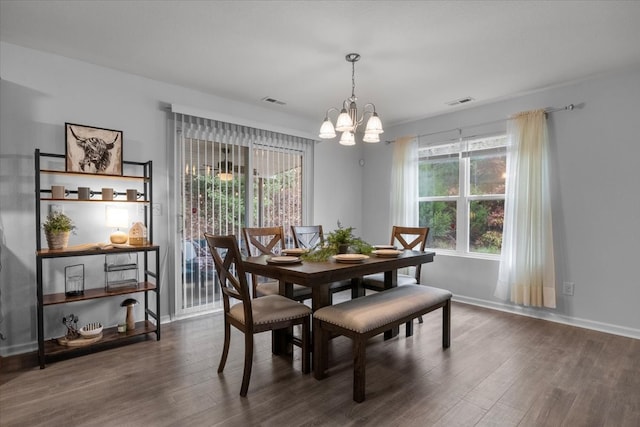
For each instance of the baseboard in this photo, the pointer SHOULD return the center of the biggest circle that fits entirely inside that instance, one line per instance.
(543, 314)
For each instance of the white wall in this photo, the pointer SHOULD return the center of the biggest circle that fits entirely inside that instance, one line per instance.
(338, 192)
(596, 206)
(39, 92)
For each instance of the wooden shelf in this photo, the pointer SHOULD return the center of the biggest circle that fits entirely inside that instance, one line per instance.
(94, 293)
(50, 199)
(58, 253)
(95, 175)
(109, 336)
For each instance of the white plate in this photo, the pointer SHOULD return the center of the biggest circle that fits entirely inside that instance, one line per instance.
(295, 251)
(386, 253)
(384, 246)
(350, 258)
(283, 260)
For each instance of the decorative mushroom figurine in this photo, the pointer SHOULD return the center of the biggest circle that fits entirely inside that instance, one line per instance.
(129, 303)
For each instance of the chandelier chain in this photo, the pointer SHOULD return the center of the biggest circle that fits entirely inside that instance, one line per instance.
(353, 80)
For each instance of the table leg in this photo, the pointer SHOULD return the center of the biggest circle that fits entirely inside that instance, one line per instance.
(281, 344)
(391, 281)
(357, 290)
(320, 296)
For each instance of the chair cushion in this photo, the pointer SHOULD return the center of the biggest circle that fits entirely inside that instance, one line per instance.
(383, 308)
(273, 288)
(271, 309)
(377, 280)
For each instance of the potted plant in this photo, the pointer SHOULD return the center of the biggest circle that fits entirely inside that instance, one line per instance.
(339, 241)
(57, 228)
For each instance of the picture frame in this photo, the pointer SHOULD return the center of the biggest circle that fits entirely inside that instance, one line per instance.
(93, 150)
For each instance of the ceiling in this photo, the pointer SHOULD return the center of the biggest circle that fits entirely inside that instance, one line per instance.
(416, 55)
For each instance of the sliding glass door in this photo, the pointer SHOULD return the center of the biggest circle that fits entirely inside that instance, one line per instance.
(229, 180)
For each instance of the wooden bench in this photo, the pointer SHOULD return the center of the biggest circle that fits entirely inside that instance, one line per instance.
(365, 317)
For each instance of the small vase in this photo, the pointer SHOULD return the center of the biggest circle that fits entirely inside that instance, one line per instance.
(343, 248)
(58, 240)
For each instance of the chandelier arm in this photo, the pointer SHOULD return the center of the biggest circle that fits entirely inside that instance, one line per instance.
(326, 115)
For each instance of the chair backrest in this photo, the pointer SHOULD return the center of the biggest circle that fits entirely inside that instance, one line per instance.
(411, 238)
(231, 275)
(307, 236)
(263, 240)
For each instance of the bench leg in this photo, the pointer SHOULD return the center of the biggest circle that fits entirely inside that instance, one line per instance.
(320, 350)
(359, 362)
(446, 324)
(409, 328)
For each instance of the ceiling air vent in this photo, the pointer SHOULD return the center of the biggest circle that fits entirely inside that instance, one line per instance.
(461, 101)
(273, 100)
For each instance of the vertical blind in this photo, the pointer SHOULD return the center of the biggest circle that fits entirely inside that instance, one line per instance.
(266, 185)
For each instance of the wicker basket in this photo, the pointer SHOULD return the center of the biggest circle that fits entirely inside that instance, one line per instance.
(57, 240)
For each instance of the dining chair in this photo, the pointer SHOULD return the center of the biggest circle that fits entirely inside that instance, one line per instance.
(269, 313)
(405, 238)
(269, 241)
(307, 236)
(310, 236)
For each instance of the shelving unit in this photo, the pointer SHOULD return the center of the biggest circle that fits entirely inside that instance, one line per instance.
(151, 277)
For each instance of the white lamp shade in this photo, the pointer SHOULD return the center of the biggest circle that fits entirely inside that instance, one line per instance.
(327, 131)
(371, 137)
(344, 122)
(347, 138)
(117, 217)
(374, 125)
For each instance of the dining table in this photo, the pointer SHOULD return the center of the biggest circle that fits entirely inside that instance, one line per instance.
(318, 275)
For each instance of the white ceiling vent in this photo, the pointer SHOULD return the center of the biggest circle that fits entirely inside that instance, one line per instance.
(461, 101)
(273, 100)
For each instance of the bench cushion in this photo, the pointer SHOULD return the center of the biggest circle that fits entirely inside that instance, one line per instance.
(364, 314)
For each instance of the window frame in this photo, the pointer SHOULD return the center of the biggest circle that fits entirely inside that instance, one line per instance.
(464, 199)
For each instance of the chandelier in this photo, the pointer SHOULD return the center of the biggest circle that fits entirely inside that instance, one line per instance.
(348, 120)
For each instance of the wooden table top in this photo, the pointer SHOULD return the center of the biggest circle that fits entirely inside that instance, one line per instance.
(310, 273)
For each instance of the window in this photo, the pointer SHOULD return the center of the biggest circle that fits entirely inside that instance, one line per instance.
(461, 194)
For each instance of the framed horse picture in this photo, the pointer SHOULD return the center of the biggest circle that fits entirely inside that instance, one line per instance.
(93, 150)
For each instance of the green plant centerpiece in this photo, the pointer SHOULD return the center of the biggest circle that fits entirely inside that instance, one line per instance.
(57, 228)
(340, 241)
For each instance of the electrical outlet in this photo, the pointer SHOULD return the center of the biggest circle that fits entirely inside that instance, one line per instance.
(567, 288)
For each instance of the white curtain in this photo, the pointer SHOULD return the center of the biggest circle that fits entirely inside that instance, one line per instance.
(527, 269)
(404, 183)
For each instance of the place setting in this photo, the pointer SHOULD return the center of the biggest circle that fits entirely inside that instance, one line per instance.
(350, 258)
(284, 260)
(386, 253)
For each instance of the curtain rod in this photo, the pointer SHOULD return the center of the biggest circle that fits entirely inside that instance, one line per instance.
(569, 107)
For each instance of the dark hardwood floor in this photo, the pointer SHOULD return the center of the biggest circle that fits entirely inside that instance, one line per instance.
(501, 370)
